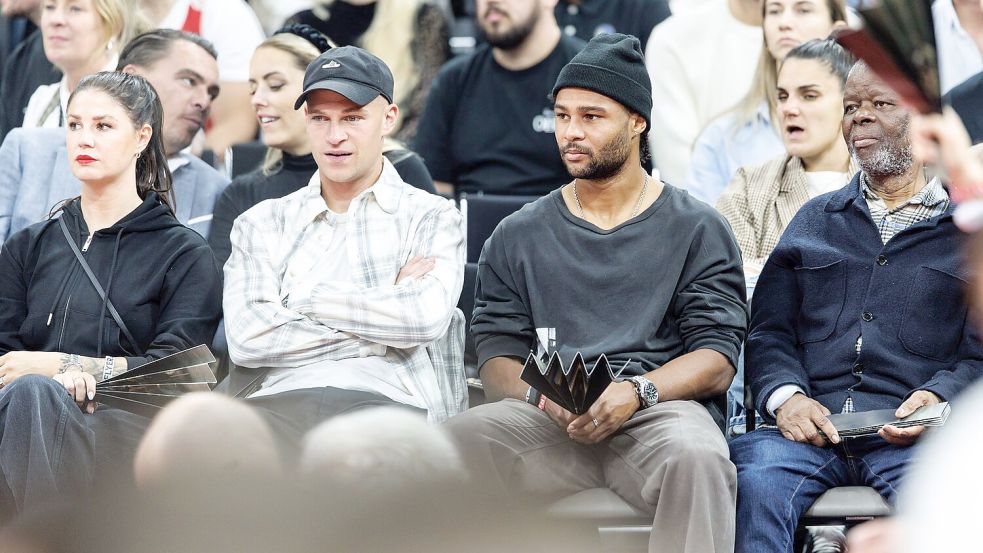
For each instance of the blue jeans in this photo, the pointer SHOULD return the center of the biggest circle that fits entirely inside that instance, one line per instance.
(736, 414)
(778, 480)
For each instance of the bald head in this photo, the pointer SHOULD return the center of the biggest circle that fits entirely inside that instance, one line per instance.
(204, 434)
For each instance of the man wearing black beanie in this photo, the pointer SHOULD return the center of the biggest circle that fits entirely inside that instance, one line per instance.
(620, 264)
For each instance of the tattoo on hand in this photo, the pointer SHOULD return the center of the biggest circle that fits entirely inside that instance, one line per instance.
(74, 362)
(69, 361)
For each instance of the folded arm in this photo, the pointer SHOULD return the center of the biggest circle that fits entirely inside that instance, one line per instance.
(262, 332)
(410, 311)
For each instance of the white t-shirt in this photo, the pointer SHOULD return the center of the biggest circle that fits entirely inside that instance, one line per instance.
(821, 182)
(701, 63)
(373, 373)
(230, 25)
(959, 57)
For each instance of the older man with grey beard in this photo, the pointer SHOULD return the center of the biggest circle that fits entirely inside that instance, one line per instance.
(848, 317)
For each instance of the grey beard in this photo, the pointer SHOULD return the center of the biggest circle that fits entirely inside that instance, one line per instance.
(886, 162)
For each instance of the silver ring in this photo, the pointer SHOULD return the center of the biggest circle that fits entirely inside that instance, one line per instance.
(596, 424)
(2, 384)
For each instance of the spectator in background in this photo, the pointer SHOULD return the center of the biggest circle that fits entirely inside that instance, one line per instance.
(586, 19)
(846, 319)
(343, 294)
(701, 63)
(489, 122)
(747, 135)
(277, 76)
(18, 20)
(231, 26)
(25, 68)
(161, 284)
(761, 200)
(959, 38)
(411, 36)
(81, 37)
(34, 164)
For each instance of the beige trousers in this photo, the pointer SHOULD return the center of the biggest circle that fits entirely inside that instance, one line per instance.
(670, 460)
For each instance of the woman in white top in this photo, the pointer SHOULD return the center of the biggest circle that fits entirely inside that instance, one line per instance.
(80, 37)
(748, 134)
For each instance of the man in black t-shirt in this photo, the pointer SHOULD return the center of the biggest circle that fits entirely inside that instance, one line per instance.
(586, 19)
(488, 125)
(620, 264)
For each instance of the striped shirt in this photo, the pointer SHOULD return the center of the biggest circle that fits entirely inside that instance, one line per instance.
(274, 322)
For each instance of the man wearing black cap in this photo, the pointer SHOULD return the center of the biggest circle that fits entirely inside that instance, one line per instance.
(613, 263)
(343, 293)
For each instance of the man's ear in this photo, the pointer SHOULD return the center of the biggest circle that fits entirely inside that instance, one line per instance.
(391, 115)
(638, 124)
(130, 69)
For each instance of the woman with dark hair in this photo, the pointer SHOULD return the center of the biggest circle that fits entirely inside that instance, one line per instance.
(110, 282)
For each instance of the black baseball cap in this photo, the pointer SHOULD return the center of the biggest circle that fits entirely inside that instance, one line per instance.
(350, 71)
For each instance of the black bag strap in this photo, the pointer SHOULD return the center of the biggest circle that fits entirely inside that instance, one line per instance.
(95, 283)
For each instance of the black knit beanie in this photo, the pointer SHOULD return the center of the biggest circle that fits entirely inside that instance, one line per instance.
(612, 65)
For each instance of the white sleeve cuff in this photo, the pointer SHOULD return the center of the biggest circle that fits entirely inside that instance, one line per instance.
(780, 396)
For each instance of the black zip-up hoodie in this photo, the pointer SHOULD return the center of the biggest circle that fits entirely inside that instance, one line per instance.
(160, 275)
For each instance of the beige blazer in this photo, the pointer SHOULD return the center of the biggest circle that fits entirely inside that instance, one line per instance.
(760, 201)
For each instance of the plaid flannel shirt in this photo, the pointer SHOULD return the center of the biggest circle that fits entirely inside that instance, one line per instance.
(417, 319)
(931, 201)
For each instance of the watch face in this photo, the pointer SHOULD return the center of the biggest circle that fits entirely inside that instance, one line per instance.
(647, 392)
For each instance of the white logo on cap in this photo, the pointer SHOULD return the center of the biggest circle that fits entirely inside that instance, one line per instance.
(331, 65)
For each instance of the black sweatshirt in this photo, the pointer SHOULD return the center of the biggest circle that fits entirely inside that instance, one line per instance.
(665, 283)
(161, 277)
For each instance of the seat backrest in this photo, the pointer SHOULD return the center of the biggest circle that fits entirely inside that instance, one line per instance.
(466, 305)
(482, 214)
(246, 157)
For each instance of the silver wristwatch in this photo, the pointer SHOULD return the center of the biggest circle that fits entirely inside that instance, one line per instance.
(648, 394)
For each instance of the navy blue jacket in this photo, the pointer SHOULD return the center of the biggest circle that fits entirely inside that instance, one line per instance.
(830, 278)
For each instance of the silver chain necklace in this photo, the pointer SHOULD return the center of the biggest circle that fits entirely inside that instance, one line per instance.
(634, 212)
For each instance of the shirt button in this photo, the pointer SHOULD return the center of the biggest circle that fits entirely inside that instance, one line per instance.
(867, 316)
(570, 30)
(573, 9)
(881, 260)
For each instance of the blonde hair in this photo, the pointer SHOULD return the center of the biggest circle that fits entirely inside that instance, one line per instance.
(765, 83)
(303, 53)
(122, 20)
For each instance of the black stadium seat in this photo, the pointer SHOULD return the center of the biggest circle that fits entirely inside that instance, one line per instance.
(482, 213)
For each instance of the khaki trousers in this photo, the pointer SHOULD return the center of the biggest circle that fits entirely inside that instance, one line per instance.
(670, 460)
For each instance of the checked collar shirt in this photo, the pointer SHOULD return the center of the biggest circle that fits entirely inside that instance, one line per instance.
(276, 318)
